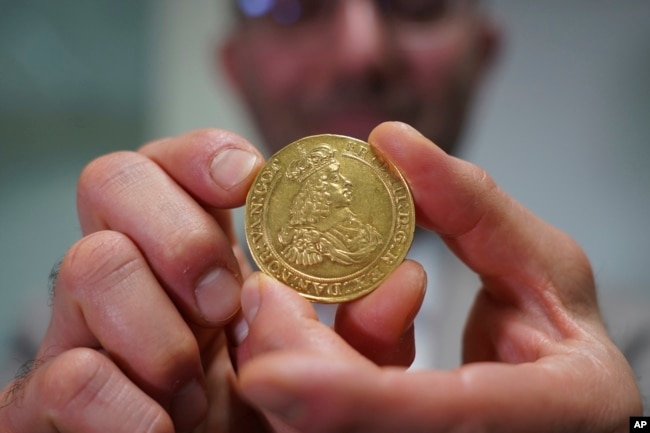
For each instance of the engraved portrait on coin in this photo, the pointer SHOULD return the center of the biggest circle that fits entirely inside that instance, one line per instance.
(329, 218)
(321, 224)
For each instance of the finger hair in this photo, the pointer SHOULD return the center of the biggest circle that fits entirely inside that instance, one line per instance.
(16, 389)
(51, 281)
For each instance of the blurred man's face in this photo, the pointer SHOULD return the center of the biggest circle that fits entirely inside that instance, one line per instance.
(324, 66)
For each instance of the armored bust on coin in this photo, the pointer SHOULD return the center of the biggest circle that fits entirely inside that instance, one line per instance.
(330, 218)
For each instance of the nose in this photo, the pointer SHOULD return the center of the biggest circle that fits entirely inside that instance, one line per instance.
(360, 36)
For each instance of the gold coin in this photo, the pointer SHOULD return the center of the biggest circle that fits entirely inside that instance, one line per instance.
(329, 217)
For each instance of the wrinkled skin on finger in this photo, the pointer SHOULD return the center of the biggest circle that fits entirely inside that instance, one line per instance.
(134, 332)
(141, 301)
(147, 303)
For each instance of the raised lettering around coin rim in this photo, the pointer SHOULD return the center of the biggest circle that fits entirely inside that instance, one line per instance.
(330, 218)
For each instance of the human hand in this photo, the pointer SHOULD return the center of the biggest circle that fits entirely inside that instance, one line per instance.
(135, 343)
(141, 300)
(536, 354)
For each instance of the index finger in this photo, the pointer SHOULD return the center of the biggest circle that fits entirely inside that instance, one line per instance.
(215, 166)
(517, 255)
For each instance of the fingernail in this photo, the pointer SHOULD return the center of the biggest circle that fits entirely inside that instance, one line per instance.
(250, 297)
(231, 167)
(188, 406)
(239, 330)
(217, 296)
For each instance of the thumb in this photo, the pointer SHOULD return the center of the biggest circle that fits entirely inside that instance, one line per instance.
(278, 318)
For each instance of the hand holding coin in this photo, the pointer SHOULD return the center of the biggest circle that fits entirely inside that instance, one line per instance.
(534, 330)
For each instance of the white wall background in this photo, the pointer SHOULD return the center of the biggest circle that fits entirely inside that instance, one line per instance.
(566, 126)
(563, 125)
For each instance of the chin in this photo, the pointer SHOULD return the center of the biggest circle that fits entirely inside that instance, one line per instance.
(357, 125)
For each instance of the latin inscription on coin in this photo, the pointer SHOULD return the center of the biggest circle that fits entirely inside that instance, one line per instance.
(329, 217)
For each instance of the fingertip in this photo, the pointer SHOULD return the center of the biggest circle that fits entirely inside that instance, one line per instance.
(214, 165)
(394, 304)
(395, 126)
(394, 138)
(262, 292)
(380, 325)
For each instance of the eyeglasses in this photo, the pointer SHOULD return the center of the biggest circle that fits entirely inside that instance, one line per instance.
(291, 13)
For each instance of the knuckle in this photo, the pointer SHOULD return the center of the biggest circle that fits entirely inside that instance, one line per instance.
(192, 243)
(473, 190)
(169, 360)
(74, 378)
(482, 185)
(99, 260)
(573, 274)
(112, 174)
(81, 384)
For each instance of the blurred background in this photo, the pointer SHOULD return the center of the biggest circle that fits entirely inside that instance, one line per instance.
(563, 124)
